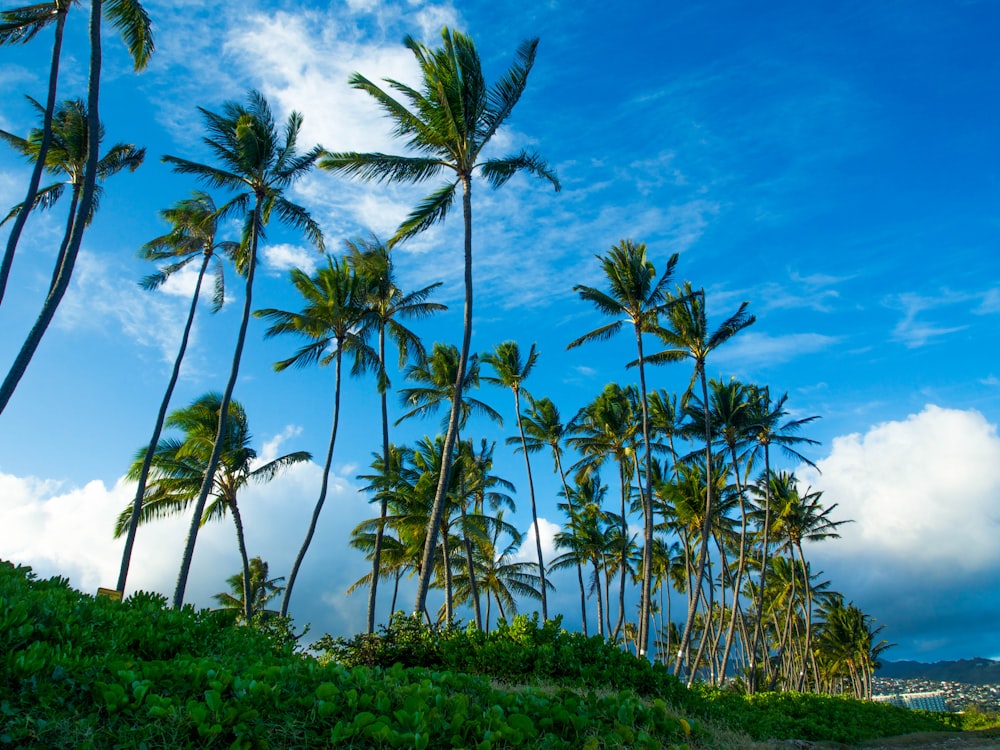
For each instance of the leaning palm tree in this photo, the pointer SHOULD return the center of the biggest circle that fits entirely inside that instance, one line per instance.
(20, 25)
(179, 467)
(448, 123)
(511, 371)
(390, 306)
(636, 296)
(69, 156)
(335, 320)
(685, 332)
(193, 236)
(257, 165)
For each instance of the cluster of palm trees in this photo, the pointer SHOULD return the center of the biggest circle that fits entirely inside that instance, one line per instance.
(718, 528)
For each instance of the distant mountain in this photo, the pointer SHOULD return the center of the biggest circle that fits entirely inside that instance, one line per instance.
(976, 671)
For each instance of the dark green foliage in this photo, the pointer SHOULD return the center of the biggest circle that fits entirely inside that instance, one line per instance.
(81, 672)
(520, 652)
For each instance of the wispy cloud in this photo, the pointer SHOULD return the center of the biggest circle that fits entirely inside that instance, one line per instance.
(914, 332)
(753, 349)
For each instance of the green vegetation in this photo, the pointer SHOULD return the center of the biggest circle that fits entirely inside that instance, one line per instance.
(94, 673)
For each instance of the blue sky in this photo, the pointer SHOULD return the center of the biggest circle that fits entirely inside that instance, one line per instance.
(837, 169)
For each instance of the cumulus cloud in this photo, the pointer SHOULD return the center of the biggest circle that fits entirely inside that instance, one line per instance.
(922, 493)
(65, 530)
(281, 258)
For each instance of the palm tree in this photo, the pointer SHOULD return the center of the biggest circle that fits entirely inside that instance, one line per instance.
(335, 320)
(607, 428)
(257, 165)
(448, 123)
(767, 424)
(261, 590)
(69, 155)
(511, 372)
(193, 236)
(685, 331)
(638, 297)
(541, 426)
(20, 25)
(179, 468)
(390, 306)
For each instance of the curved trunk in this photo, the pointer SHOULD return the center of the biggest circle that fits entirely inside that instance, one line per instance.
(579, 566)
(383, 504)
(242, 543)
(322, 490)
(437, 510)
(74, 237)
(765, 548)
(741, 562)
(470, 566)
(227, 395)
(157, 429)
(706, 531)
(646, 490)
(807, 648)
(623, 562)
(534, 508)
(43, 151)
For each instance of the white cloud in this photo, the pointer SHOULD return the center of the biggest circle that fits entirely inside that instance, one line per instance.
(281, 258)
(915, 333)
(922, 493)
(61, 530)
(990, 303)
(528, 552)
(759, 349)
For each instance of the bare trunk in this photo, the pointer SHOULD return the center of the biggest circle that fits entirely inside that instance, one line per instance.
(437, 510)
(646, 490)
(322, 490)
(534, 508)
(147, 460)
(383, 503)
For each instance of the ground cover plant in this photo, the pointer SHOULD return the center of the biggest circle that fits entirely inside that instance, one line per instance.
(85, 672)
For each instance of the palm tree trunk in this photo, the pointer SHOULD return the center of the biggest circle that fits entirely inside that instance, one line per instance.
(646, 490)
(322, 489)
(227, 395)
(706, 531)
(43, 150)
(471, 568)
(242, 543)
(74, 236)
(765, 548)
(534, 507)
(579, 565)
(737, 612)
(623, 562)
(157, 429)
(600, 601)
(437, 510)
(384, 503)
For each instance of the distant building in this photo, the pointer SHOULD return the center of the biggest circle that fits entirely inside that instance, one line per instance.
(932, 701)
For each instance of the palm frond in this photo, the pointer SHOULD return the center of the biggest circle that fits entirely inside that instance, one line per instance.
(132, 22)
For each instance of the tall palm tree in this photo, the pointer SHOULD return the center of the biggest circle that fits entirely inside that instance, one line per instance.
(257, 164)
(262, 589)
(69, 155)
(390, 306)
(768, 425)
(20, 25)
(541, 427)
(448, 122)
(685, 332)
(335, 320)
(179, 467)
(511, 372)
(607, 429)
(193, 236)
(636, 296)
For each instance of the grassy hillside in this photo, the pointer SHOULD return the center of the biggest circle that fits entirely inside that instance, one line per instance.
(85, 673)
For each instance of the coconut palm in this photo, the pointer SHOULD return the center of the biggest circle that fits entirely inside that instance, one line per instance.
(768, 426)
(261, 590)
(607, 428)
(389, 306)
(335, 320)
(257, 165)
(685, 331)
(447, 124)
(511, 372)
(193, 236)
(20, 25)
(541, 427)
(636, 296)
(69, 156)
(179, 467)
